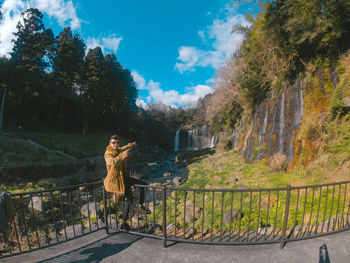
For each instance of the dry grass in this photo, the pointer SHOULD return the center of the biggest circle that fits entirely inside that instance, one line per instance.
(278, 162)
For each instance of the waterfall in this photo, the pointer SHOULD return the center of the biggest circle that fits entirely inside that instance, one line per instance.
(189, 139)
(272, 129)
(282, 122)
(243, 139)
(235, 140)
(200, 138)
(212, 142)
(176, 142)
(249, 152)
(262, 134)
(264, 127)
(300, 110)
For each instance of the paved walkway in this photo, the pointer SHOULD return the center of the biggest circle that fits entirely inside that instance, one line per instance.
(99, 247)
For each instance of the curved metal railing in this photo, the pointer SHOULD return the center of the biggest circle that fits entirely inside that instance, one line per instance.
(210, 216)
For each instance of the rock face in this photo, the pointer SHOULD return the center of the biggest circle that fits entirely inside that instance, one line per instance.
(272, 127)
(232, 215)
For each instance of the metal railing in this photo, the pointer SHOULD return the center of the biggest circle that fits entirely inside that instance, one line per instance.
(48, 217)
(210, 216)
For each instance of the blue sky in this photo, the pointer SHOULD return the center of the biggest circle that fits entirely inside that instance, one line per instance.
(172, 47)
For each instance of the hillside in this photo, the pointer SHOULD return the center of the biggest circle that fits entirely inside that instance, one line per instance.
(284, 95)
(32, 161)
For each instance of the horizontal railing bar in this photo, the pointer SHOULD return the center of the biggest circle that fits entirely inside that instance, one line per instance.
(242, 190)
(55, 189)
(211, 190)
(182, 189)
(318, 185)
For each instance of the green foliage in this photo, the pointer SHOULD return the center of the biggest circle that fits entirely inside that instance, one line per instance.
(226, 118)
(310, 28)
(337, 101)
(53, 85)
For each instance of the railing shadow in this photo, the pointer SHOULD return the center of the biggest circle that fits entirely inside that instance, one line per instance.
(93, 252)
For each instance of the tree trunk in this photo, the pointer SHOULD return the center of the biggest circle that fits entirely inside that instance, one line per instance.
(2, 109)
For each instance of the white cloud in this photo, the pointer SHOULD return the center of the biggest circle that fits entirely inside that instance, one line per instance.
(169, 97)
(63, 11)
(111, 43)
(142, 104)
(223, 44)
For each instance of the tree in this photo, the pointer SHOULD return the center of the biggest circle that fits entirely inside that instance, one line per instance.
(67, 61)
(28, 79)
(311, 28)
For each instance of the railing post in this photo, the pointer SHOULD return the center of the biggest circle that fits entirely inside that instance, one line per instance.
(105, 207)
(285, 222)
(164, 216)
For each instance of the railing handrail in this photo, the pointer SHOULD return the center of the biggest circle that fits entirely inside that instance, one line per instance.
(160, 187)
(61, 209)
(55, 189)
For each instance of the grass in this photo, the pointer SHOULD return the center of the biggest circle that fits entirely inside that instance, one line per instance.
(229, 170)
(76, 145)
(219, 170)
(16, 152)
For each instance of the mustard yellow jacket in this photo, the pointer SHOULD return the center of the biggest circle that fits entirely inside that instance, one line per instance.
(116, 169)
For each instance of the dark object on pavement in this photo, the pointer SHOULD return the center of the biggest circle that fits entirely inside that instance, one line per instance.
(324, 257)
(125, 226)
(7, 212)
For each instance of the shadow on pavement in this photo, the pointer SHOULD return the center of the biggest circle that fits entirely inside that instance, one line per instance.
(93, 252)
(324, 256)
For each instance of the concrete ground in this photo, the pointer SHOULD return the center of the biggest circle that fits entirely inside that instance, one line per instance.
(122, 247)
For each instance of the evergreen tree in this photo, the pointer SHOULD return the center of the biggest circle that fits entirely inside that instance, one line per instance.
(28, 94)
(67, 60)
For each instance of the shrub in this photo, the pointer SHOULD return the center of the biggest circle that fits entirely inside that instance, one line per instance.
(278, 162)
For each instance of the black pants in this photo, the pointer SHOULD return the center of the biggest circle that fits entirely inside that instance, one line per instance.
(128, 198)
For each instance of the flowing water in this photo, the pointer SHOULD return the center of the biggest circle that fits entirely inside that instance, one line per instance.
(282, 121)
(176, 141)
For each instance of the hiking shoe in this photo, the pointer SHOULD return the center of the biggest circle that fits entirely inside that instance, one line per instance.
(143, 210)
(125, 226)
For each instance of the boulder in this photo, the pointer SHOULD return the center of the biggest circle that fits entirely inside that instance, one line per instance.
(232, 180)
(37, 203)
(154, 228)
(89, 208)
(170, 226)
(232, 215)
(138, 223)
(205, 231)
(190, 216)
(167, 174)
(177, 180)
